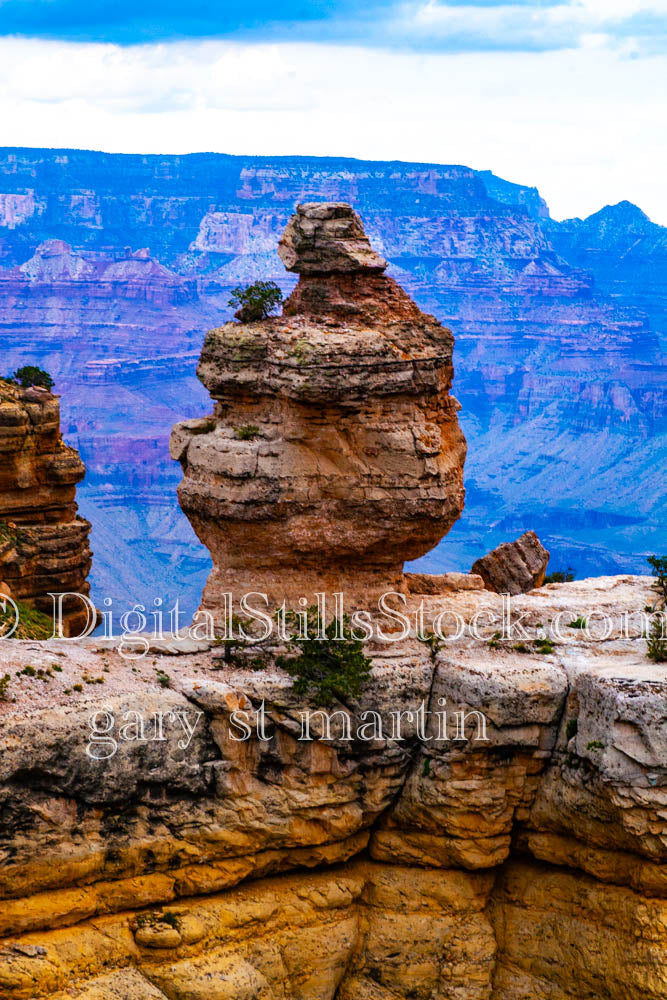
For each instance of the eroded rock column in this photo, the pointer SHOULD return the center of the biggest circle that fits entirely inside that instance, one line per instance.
(44, 545)
(333, 453)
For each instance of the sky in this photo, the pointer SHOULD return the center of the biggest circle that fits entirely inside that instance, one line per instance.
(567, 95)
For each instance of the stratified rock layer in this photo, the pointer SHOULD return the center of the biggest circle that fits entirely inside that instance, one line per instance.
(334, 452)
(527, 866)
(43, 543)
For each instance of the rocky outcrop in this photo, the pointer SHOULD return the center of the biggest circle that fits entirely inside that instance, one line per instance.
(530, 864)
(43, 542)
(334, 452)
(514, 567)
(550, 427)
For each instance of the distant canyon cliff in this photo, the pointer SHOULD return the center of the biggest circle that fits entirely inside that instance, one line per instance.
(113, 267)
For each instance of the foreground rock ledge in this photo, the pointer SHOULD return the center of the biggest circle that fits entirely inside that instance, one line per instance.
(334, 452)
(532, 866)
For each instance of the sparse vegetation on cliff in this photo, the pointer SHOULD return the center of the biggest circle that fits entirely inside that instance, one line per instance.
(255, 302)
(326, 668)
(32, 624)
(10, 533)
(659, 566)
(561, 576)
(246, 432)
(31, 375)
(656, 641)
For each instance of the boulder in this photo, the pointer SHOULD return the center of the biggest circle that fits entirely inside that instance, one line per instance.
(514, 567)
(327, 237)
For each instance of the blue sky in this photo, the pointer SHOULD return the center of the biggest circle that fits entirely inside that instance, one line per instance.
(438, 25)
(568, 95)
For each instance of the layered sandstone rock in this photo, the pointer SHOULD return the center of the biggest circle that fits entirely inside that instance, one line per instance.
(334, 452)
(43, 542)
(514, 567)
(530, 864)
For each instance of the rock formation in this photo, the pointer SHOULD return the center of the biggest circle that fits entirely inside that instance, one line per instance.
(334, 452)
(121, 335)
(532, 865)
(43, 542)
(514, 567)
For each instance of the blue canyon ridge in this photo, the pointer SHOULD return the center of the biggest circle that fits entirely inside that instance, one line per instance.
(112, 268)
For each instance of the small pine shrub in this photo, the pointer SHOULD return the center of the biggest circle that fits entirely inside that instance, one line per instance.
(659, 566)
(330, 667)
(561, 576)
(578, 622)
(255, 302)
(656, 642)
(4, 684)
(31, 375)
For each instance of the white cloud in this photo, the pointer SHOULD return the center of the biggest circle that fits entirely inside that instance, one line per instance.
(585, 126)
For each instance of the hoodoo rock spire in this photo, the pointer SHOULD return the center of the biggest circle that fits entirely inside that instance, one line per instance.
(334, 452)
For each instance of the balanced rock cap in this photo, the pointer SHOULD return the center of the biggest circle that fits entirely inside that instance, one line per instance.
(325, 238)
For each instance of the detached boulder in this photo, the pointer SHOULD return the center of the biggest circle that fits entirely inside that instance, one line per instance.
(514, 567)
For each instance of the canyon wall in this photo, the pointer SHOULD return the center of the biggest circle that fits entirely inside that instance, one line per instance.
(44, 545)
(410, 863)
(558, 360)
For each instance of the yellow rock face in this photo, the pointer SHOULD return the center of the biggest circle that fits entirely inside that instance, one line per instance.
(529, 867)
(563, 936)
(301, 936)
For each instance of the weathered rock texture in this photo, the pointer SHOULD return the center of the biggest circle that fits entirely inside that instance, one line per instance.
(514, 567)
(43, 543)
(561, 380)
(531, 865)
(334, 452)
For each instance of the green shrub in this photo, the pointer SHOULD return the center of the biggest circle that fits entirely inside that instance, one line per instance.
(659, 566)
(4, 684)
(32, 623)
(255, 302)
(327, 668)
(578, 622)
(656, 641)
(561, 576)
(30, 375)
(571, 728)
(246, 432)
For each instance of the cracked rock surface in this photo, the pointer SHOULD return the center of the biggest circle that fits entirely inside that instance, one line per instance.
(530, 865)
